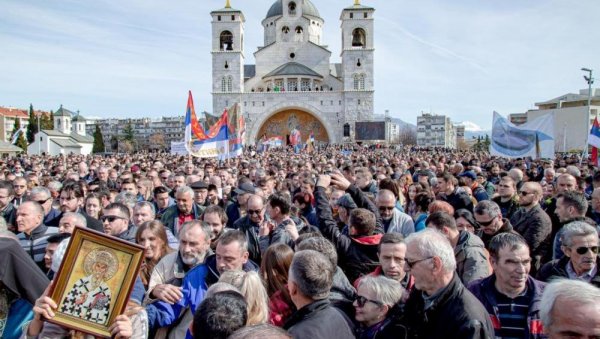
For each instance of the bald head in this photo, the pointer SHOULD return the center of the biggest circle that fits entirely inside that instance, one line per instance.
(566, 182)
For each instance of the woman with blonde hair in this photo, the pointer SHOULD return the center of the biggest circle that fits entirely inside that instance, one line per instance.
(251, 287)
(145, 188)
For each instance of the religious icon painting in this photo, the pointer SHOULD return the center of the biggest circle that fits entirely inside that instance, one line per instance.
(94, 281)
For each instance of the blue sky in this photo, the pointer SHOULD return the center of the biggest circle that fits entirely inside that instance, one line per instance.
(136, 58)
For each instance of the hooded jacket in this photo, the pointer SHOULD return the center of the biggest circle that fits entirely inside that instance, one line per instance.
(357, 255)
(212, 275)
(471, 258)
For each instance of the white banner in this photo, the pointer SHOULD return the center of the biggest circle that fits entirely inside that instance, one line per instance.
(533, 139)
(178, 148)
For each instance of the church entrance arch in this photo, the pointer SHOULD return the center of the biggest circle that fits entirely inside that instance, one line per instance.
(283, 122)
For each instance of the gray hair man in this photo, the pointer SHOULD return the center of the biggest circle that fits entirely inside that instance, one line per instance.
(69, 221)
(580, 245)
(167, 276)
(309, 282)
(184, 210)
(440, 306)
(42, 196)
(571, 309)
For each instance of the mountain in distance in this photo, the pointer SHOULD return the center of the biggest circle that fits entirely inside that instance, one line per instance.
(401, 123)
(472, 130)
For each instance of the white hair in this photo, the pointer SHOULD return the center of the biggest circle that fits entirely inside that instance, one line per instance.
(579, 292)
(432, 243)
(387, 291)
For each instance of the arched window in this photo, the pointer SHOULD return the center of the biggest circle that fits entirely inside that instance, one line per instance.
(359, 38)
(359, 82)
(299, 34)
(226, 41)
(285, 29)
(292, 8)
(226, 84)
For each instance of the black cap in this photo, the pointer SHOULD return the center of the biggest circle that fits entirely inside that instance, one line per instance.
(245, 188)
(198, 185)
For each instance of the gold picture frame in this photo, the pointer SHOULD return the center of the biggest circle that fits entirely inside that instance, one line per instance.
(94, 281)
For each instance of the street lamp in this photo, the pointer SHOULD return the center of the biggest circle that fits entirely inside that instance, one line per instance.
(590, 81)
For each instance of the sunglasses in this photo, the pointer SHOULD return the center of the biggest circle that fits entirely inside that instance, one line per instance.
(41, 202)
(251, 212)
(486, 223)
(583, 250)
(524, 193)
(110, 218)
(361, 301)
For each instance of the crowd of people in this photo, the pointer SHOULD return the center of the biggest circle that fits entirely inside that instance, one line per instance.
(339, 242)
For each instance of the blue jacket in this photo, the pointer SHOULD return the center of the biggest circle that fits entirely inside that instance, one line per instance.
(162, 314)
(483, 289)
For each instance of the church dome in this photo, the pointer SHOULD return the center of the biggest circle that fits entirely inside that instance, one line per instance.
(308, 8)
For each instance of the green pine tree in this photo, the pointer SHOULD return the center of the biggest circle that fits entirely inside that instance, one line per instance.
(98, 140)
(128, 134)
(32, 127)
(21, 142)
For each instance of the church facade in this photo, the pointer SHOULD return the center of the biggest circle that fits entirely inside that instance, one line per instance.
(293, 84)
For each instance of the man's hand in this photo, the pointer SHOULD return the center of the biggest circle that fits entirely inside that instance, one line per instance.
(292, 229)
(339, 181)
(44, 305)
(265, 228)
(324, 180)
(122, 327)
(167, 293)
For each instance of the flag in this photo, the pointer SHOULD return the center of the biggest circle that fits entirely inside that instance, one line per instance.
(191, 123)
(533, 139)
(217, 142)
(16, 135)
(236, 132)
(594, 141)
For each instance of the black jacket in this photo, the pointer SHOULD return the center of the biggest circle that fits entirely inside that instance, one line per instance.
(250, 229)
(458, 200)
(319, 320)
(357, 255)
(557, 269)
(536, 227)
(456, 314)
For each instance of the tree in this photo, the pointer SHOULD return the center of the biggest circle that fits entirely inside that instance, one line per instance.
(157, 141)
(21, 142)
(407, 136)
(128, 134)
(47, 121)
(114, 143)
(98, 140)
(32, 127)
(126, 146)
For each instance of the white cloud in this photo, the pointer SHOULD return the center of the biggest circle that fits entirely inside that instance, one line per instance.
(471, 126)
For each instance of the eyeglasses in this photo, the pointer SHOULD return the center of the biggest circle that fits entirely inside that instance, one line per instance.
(386, 208)
(525, 193)
(111, 218)
(43, 201)
(251, 212)
(486, 223)
(410, 264)
(361, 301)
(583, 250)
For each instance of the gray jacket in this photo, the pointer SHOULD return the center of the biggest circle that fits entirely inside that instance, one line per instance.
(401, 223)
(471, 258)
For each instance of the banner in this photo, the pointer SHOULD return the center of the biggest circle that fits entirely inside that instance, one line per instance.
(236, 128)
(178, 148)
(594, 141)
(533, 139)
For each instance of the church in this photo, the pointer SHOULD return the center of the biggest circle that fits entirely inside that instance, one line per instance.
(293, 84)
